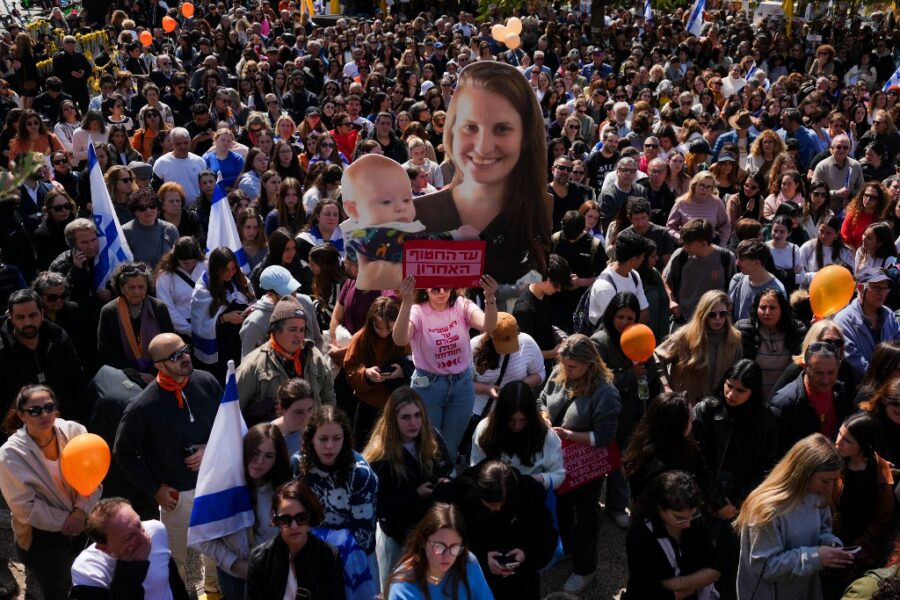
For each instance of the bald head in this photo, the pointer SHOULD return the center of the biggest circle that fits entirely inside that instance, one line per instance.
(164, 345)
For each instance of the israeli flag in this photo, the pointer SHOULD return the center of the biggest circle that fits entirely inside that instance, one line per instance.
(648, 11)
(751, 71)
(222, 504)
(222, 228)
(114, 248)
(695, 21)
(894, 80)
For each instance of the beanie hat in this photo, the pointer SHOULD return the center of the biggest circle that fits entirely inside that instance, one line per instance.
(287, 308)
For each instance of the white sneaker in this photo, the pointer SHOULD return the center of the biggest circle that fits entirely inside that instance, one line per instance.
(620, 518)
(575, 584)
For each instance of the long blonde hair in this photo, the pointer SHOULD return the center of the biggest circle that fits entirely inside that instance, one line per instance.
(580, 348)
(690, 342)
(692, 186)
(786, 486)
(385, 442)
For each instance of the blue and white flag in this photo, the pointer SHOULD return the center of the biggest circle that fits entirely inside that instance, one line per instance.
(648, 11)
(222, 502)
(695, 21)
(222, 228)
(114, 248)
(894, 80)
(751, 71)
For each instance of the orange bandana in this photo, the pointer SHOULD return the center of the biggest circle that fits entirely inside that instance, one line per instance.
(298, 362)
(170, 385)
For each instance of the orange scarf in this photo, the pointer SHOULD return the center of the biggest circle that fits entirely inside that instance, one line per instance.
(298, 362)
(170, 385)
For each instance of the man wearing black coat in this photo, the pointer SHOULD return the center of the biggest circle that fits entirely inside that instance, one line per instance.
(34, 350)
(74, 70)
(299, 98)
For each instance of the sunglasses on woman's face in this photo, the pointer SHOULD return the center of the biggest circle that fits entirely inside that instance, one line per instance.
(284, 520)
(35, 411)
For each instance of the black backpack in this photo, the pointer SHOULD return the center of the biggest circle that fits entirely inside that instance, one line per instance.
(581, 318)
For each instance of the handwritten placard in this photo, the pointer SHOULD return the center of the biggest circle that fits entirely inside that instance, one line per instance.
(584, 464)
(439, 263)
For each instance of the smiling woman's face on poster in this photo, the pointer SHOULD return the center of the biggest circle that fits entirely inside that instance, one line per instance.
(495, 136)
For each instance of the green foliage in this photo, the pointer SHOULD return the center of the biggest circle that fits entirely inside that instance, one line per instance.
(10, 180)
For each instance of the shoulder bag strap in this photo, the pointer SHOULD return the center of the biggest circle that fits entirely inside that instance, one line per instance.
(490, 402)
(182, 276)
(759, 579)
(558, 419)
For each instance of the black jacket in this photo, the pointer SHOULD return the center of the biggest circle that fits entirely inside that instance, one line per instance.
(523, 522)
(81, 284)
(739, 449)
(16, 242)
(55, 363)
(750, 338)
(49, 241)
(109, 342)
(796, 417)
(400, 508)
(154, 432)
(317, 566)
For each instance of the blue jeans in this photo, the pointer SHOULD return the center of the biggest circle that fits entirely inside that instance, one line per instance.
(449, 400)
(388, 551)
(232, 587)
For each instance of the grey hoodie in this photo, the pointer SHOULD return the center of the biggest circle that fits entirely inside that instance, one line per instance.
(255, 329)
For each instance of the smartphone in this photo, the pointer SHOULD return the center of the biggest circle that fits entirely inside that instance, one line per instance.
(852, 549)
(507, 560)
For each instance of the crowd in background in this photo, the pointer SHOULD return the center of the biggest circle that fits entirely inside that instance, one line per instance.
(693, 184)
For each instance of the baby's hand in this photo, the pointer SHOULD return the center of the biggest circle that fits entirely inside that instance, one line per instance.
(466, 232)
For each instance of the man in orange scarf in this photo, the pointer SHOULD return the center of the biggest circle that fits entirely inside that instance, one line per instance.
(286, 355)
(163, 434)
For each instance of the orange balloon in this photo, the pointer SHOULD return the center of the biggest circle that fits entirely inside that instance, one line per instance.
(84, 462)
(146, 38)
(831, 290)
(187, 10)
(638, 342)
(169, 24)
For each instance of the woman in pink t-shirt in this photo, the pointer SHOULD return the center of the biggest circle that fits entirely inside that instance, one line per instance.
(435, 323)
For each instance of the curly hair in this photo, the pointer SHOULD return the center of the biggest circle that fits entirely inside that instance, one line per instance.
(343, 463)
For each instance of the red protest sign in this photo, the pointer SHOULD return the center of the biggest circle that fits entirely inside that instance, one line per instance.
(584, 464)
(439, 263)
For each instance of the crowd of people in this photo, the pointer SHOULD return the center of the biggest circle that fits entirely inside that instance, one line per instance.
(694, 184)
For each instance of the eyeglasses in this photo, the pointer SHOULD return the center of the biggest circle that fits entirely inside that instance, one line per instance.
(706, 186)
(574, 172)
(440, 549)
(284, 521)
(60, 207)
(176, 356)
(694, 517)
(143, 207)
(50, 407)
(626, 170)
(56, 297)
(718, 314)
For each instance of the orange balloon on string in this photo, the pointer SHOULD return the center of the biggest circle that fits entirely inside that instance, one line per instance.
(638, 342)
(84, 462)
(146, 38)
(169, 24)
(187, 10)
(830, 290)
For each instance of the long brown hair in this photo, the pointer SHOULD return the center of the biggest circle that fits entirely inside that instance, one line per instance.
(344, 462)
(219, 259)
(385, 442)
(527, 209)
(580, 348)
(413, 565)
(385, 308)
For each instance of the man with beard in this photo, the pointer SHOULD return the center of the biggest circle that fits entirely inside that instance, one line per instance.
(567, 195)
(34, 350)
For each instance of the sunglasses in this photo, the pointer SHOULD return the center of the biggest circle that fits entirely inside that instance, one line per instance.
(35, 411)
(60, 207)
(574, 172)
(837, 343)
(718, 314)
(60, 161)
(326, 145)
(56, 297)
(651, 146)
(284, 521)
(438, 290)
(176, 356)
(126, 180)
(820, 194)
(143, 207)
(564, 168)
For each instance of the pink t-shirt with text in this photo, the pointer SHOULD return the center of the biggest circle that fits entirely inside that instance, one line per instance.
(440, 344)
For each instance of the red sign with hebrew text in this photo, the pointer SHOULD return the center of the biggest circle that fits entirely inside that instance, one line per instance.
(440, 263)
(586, 463)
